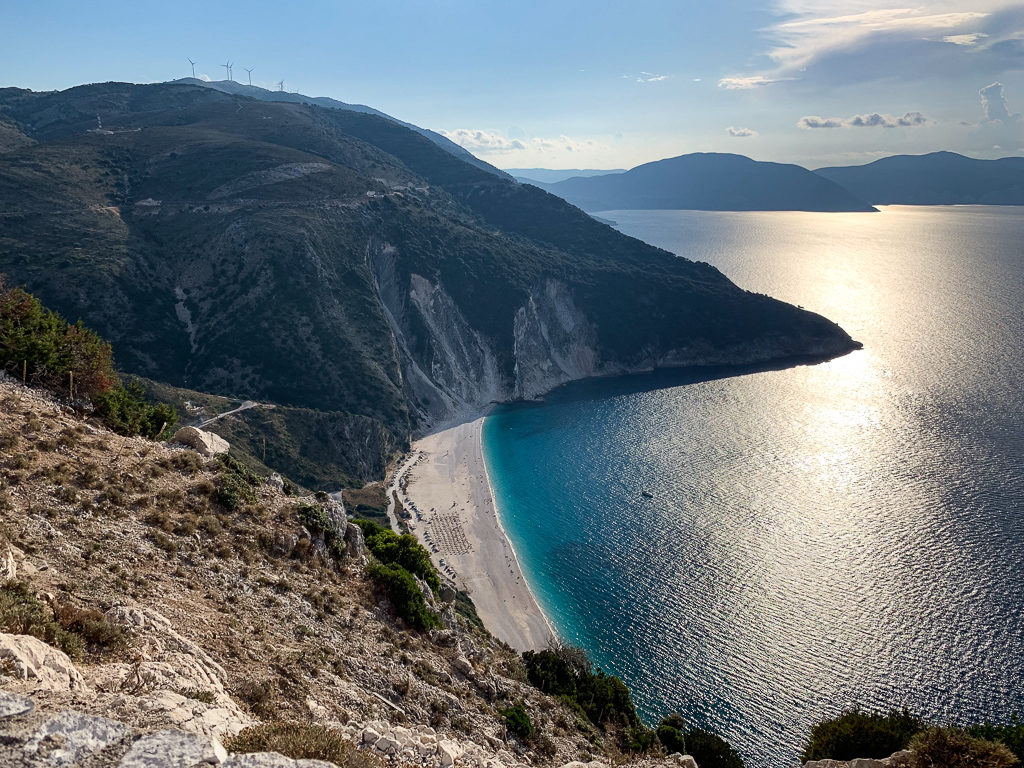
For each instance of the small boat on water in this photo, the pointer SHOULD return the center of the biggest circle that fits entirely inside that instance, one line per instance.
(647, 494)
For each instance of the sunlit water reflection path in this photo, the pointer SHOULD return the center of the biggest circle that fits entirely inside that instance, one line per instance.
(820, 535)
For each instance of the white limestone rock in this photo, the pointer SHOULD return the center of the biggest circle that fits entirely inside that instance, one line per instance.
(173, 749)
(206, 443)
(33, 660)
(70, 737)
(13, 705)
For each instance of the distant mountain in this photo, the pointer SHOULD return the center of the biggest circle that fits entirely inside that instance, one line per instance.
(710, 182)
(550, 175)
(255, 92)
(939, 178)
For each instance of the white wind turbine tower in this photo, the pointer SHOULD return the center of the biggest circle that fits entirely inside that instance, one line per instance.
(249, 71)
(193, 68)
(280, 85)
(227, 69)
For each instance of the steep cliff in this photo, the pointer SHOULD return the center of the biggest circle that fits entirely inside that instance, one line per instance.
(339, 262)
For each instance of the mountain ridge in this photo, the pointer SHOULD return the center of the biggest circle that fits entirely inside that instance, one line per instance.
(333, 260)
(264, 94)
(935, 178)
(709, 181)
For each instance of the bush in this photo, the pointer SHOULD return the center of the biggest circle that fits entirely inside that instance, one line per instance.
(954, 748)
(517, 720)
(856, 734)
(711, 751)
(638, 738)
(405, 595)
(670, 734)
(22, 613)
(388, 547)
(1010, 735)
(124, 410)
(236, 484)
(301, 742)
(49, 352)
(562, 670)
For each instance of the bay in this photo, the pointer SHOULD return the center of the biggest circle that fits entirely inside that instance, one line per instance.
(818, 536)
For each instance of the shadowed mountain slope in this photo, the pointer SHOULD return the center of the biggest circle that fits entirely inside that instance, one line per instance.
(337, 261)
(262, 94)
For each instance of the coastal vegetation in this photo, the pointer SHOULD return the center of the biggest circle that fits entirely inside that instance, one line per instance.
(517, 720)
(856, 733)
(565, 671)
(400, 561)
(39, 346)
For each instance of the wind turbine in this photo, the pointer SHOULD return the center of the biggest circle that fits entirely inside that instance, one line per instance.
(250, 74)
(231, 71)
(280, 85)
(193, 68)
(227, 69)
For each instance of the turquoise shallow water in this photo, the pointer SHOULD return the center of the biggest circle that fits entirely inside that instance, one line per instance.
(849, 532)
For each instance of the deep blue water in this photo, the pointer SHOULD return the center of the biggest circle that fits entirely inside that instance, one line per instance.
(849, 532)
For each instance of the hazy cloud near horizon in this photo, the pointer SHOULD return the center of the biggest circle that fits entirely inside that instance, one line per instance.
(494, 143)
(740, 133)
(873, 120)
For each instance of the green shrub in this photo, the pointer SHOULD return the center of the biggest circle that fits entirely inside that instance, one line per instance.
(96, 631)
(301, 742)
(124, 410)
(670, 734)
(562, 670)
(404, 594)
(22, 613)
(49, 351)
(236, 484)
(388, 547)
(954, 748)
(711, 751)
(638, 738)
(855, 733)
(206, 697)
(69, 359)
(1011, 735)
(517, 720)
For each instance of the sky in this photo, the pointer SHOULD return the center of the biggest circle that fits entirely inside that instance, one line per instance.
(574, 84)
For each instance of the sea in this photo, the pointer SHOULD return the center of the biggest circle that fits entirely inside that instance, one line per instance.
(812, 537)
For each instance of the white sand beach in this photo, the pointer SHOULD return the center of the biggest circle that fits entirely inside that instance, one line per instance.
(445, 487)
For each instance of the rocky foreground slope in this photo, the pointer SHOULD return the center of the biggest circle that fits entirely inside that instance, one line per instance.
(339, 262)
(174, 619)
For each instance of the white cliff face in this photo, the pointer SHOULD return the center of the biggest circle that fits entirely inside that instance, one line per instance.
(448, 368)
(451, 370)
(554, 342)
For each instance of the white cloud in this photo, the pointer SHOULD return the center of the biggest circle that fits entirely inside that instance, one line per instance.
(646, 77)
(968, 39)
(993, 102)
(740, 133)
(1000, 126)
(873, 120)
(484, 142)
(492, 143)
(748, 82)
(814, 31)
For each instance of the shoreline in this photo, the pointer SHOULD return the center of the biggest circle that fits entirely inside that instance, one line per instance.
(446, 488)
